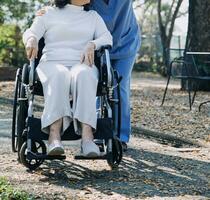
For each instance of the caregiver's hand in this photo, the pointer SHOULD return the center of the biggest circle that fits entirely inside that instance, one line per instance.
(87, 56)
(32, 48)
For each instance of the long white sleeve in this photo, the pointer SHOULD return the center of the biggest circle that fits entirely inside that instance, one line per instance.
(101, 36)
(36, 30)
(66, 32)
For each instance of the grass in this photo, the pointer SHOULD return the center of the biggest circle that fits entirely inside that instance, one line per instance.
(8, 192)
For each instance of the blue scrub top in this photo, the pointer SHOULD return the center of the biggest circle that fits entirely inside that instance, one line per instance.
(121, 22)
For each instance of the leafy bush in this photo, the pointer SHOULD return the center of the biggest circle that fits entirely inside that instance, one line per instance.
(11, 47)
(7, 192)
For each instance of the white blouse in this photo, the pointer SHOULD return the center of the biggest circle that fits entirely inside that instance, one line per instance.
(66, 32)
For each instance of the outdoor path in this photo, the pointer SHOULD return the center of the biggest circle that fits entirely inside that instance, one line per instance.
(149, 170)
(155, 81)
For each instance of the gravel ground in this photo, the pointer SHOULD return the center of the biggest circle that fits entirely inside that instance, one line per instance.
(174, 117)
(149, 170)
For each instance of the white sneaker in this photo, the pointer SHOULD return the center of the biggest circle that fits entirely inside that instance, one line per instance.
(90, 149)
(55, 148)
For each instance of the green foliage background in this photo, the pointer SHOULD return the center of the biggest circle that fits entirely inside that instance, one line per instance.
(15, 16)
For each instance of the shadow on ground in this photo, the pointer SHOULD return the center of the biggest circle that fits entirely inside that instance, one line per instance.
(141, 174)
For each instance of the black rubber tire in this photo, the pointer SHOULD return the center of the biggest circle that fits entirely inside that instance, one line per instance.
(115, 157)
(25, 73)
(37, 147)
(15, 111)
(20, 109)
(21, 123)
(23, 108)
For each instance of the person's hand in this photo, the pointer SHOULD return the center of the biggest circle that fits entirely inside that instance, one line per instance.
(87, 56)
(32, 48)
(41, 12)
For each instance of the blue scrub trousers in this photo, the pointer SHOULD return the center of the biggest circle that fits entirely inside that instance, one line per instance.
(124, 67)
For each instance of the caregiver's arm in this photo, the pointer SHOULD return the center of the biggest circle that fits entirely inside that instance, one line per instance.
(102, 35)
(32, 36)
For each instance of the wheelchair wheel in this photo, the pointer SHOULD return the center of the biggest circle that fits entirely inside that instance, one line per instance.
(118, 117)
(114, 156)
(15, 107)
(20, 108)
(38, 147)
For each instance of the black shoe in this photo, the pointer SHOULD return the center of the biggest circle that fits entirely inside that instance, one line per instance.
(124, 146)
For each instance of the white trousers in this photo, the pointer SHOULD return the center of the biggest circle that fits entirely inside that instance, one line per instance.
(62, 83)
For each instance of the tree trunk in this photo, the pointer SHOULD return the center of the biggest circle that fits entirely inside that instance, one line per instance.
(166, 29)
(198, 36)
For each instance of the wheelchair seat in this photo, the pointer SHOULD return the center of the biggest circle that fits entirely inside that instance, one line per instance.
(102, 75)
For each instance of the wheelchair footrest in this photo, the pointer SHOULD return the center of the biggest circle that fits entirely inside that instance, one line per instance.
(31, 155)
(82, 157)
(58, 157)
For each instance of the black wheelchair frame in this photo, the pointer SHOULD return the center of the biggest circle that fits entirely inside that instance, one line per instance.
(27, 137)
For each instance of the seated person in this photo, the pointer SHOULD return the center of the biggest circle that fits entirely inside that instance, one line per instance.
(67, 71)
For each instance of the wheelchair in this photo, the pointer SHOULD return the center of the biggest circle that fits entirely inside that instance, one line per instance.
(27, 137)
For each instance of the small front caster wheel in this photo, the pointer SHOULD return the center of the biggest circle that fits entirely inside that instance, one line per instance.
(114, 157)
(37, 147)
